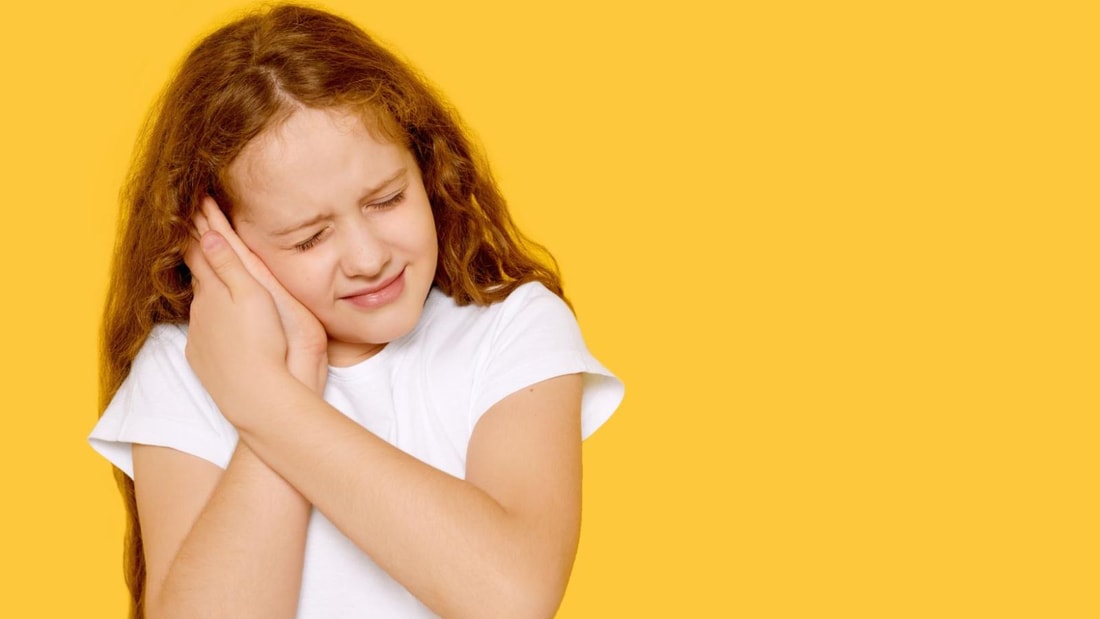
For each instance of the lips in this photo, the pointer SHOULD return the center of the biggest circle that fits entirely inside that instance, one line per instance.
(378, 295)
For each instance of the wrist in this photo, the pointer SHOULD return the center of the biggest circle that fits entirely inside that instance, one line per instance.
(243, 402)
(310, 370)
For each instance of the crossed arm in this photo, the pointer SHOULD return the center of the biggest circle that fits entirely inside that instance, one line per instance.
(499, 543)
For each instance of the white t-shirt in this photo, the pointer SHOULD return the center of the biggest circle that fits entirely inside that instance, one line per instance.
(422, 393)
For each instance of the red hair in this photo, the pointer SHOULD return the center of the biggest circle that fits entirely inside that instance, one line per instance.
(242, 79)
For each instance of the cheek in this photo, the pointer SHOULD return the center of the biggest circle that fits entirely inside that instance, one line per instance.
(424, 225)
(431, 244)
(302, 278)
(410, 232)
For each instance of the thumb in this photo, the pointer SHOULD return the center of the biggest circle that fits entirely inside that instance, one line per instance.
(225, 262)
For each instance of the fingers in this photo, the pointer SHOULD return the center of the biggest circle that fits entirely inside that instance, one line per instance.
(211, 216)
(224, 263)
(200, 268)
(199, 223)
(193, 258)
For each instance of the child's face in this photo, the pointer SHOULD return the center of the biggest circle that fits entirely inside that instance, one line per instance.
(343, 222)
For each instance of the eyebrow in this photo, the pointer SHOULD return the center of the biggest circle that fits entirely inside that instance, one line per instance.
(371, 191)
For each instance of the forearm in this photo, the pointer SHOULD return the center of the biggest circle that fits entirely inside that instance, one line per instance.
(447, 541)
(243, 556)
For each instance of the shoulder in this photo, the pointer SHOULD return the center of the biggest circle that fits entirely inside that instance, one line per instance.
(529, 313)
(162, 402)
(533, 299)
(167, 335)
(532, 313)
(161, 364)
(165, 340)
(163, 352)
(533, 336)
(529, 305)
(529, 327)
(524, 295)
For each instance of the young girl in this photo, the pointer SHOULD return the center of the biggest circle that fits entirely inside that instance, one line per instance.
(337, 380)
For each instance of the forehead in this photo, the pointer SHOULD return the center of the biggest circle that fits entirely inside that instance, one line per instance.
(314, 159)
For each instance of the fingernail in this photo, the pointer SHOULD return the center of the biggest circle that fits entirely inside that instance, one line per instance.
(212, 241)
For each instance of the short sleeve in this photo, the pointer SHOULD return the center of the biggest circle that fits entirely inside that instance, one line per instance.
(535, 338)
(163, 403)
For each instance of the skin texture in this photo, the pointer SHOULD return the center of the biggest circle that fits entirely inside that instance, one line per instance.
(499, 543)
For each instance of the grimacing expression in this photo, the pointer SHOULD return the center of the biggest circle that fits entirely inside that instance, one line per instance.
(341, 218)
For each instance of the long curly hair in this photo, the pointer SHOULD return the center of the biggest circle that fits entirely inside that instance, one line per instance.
(240, 80)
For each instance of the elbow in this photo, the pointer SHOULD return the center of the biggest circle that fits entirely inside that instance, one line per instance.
(535, 594)
(536, 586)
(529, 594)
(525, 578)
(516, 603)
(539, 603)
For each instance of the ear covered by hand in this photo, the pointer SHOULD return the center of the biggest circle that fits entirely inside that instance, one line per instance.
(242, 318)
(234, 329)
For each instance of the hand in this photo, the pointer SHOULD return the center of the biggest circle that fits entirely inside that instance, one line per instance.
(306, 339)
(235, 340)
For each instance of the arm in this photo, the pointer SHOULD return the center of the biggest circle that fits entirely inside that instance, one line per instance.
(499, 544)
(227, 544)
(218, 544)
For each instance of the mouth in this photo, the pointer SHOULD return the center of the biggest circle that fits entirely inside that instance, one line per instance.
(378, 295)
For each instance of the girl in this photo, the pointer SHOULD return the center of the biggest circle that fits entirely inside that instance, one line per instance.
(337, 381)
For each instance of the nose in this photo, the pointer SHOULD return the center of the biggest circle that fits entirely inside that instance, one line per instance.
(364, 252)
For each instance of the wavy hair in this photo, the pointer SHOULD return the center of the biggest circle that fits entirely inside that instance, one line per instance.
(240, 80)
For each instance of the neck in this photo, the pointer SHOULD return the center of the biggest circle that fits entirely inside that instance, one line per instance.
(344, 354)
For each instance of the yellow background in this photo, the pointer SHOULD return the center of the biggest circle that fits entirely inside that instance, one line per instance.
(843, 255)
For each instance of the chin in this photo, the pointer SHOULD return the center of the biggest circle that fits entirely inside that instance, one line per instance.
(377, 331)
(366, 330)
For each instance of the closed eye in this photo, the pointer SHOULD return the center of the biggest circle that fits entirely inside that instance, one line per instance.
(310, 242)
(394, 201)
(385, 204)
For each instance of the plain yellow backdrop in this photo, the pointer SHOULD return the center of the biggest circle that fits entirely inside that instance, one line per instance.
(843, 255)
